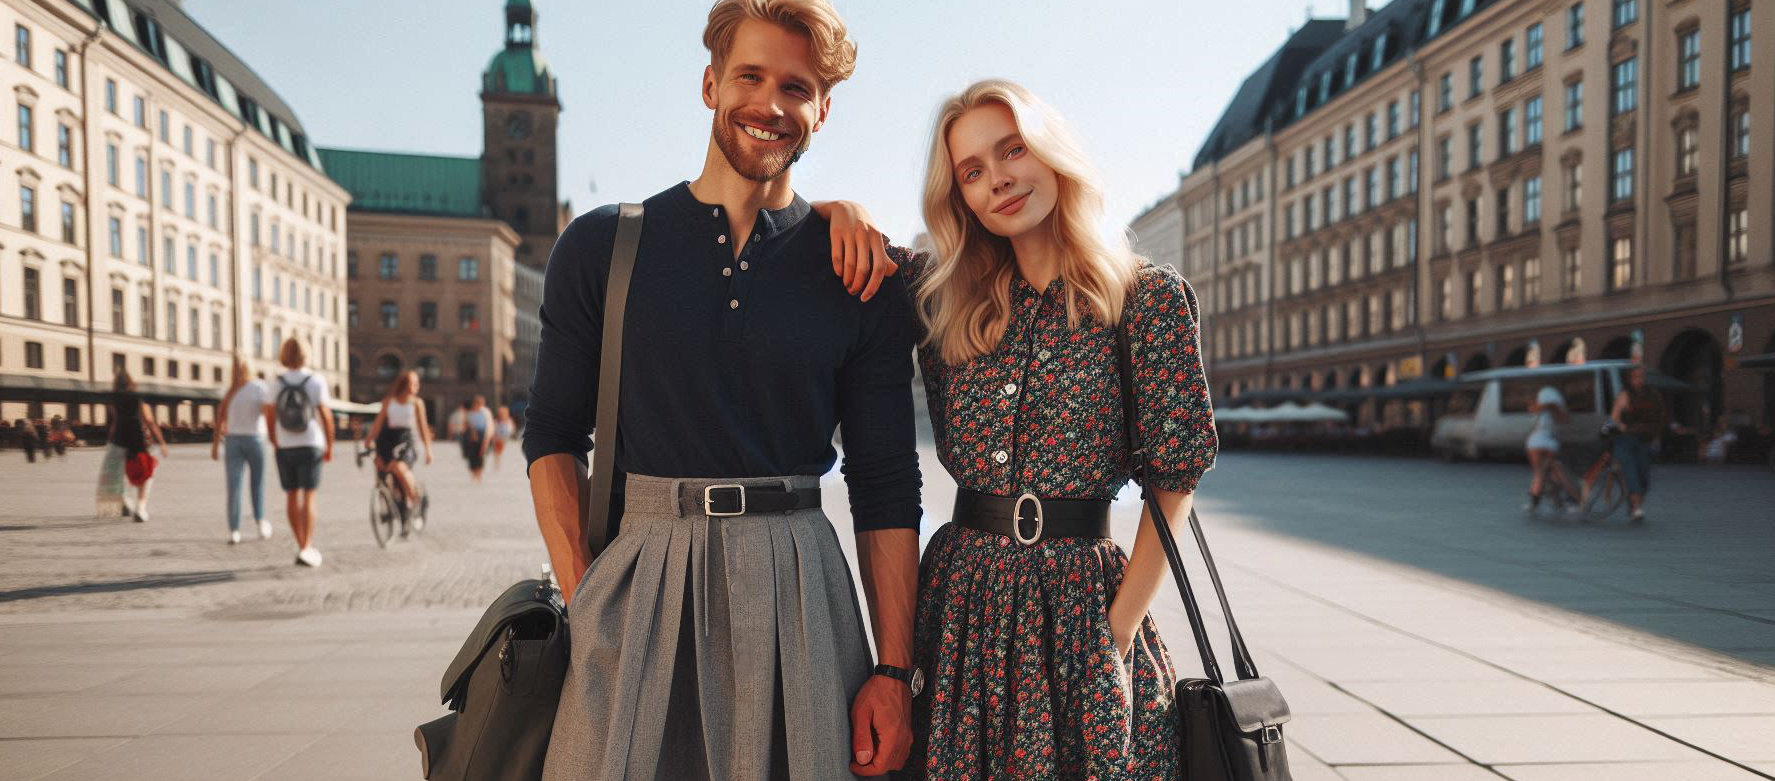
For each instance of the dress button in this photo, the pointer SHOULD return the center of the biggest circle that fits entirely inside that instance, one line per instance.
(745, 265)
(1001, 456)
(721, 239)
(734, 304)
(727, 272)
(1010, 389)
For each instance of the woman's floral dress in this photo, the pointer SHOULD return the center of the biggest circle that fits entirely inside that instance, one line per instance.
(1016, 645)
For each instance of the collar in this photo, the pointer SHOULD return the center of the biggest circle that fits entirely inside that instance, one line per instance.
(770, 222)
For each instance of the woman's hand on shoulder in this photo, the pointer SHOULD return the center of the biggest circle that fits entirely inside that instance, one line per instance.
(859, 252)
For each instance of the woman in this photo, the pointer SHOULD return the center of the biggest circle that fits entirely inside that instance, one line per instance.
(1019, 304)
(240, 437)
(132, 427)
(1549, 410)
(476, 434)
(402, 413)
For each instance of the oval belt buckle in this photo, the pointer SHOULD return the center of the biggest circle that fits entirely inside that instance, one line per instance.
(1017, 520)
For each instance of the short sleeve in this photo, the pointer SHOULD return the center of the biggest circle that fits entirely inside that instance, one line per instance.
(318, 387)
(1173, 408)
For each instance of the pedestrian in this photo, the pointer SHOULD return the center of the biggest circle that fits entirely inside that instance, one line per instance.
(301, 429)
(58, 437)
(453, 425)
(240, 435)
(1033, 630)
(1640, 412)
(1718, 444)
(719, 635)
(132, 427)
(476, 435)
(27, 435)
(392, 434)
(1550, 412)
(502, 431)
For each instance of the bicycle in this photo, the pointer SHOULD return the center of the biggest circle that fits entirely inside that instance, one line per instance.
(388, 503)
(1604, 486)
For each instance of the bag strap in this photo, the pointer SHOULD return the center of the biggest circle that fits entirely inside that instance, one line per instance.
(1243, 665)
(616, 299)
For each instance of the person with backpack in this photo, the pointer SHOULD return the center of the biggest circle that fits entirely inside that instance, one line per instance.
(301, 429)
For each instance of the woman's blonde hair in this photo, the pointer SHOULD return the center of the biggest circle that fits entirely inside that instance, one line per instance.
(238, 373)
(835, 55)
(404, 383)
(964, 296)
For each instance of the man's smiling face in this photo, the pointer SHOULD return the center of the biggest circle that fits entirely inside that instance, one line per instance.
(766, 99)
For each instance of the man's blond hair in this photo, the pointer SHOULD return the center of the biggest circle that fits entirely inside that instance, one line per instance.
(835, 55)
(293, 355)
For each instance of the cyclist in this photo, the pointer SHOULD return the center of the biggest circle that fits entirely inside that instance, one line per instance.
(1543, 447)
(402, 413)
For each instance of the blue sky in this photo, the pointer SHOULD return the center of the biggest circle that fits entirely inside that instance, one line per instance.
(1141, 80)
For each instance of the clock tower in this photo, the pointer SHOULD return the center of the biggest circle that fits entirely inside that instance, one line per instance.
(520, 110)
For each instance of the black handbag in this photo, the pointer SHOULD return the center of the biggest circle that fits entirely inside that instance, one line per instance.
(504, 685)
(1227, 730)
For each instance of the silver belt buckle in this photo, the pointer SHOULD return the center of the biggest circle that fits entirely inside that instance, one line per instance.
(709, 500)
(1017, 520)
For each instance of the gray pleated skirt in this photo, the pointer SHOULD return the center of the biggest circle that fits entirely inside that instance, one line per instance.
(711, 648)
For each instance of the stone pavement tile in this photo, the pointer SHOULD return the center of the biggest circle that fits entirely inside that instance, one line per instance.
(26, 760)
(93, 716)
(351, 757)
(197, 678)
(186, 757)
(1423, 663)
(1463, 698)
(398, 712)
(1551, 738)
(1742, 738)
(1416, 773)
(1303, 766)
(58, 678)
(249, 713)
(1353, 738)
(1678, 698)
(1710, 770)
(1306, 694)
(1601, 661)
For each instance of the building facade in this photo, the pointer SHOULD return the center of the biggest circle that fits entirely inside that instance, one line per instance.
(160, 211)
(1449, 185)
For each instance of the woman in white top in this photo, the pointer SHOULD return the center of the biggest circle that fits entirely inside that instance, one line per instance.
(402, 414)
(240, 435)
(1549, 410)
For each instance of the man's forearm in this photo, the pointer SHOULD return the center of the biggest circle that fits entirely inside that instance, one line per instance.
(889, 562)
(558, 488)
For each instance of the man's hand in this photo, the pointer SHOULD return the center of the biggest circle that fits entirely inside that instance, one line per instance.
(859, 253)
(881, 726)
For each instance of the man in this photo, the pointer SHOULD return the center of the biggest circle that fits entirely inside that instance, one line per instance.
(1639, 411)
(474, 433)
(712, 640)
(301, 429)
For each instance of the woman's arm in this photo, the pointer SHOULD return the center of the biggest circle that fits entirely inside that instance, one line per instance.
(859, 252)
(1147, 567)
(221, 429)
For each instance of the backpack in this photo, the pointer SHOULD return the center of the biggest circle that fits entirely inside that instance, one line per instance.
(294, 408)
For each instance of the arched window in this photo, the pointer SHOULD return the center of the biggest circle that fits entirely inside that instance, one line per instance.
(388, 366)
(429, 367)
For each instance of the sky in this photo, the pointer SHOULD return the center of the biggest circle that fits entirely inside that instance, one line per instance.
(1141, 81)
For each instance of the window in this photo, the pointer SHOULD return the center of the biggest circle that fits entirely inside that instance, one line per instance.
(1370, 131)
(33, 355)
(1507, 132)
(351, 265)
(467, 318)
(1445, 92)
(141, 177)
(1506, 286)
(190, 200)
(1392, 178)
(388, 266)
(215, 270)
(1531, 200)
(1503, 212)
(1685, 151)
(1444, 157)
(21, 50)
(391, 317)
(428, 267)
(192, 325)
(1475, 76)
(114, 232)
(64, 146)
(215, 332)
(1475, 287)
(1416, 108)
(209, 153)
(24, 129)
(1741, 134)
(117, 310)
(168, 260)
(1411, 171)
(1738, 236)
(468, 366)
(111, 95)
(191, 260)
(172, 369)
(1621, 175)
(351, 315)
(141, 112)
(111, 170)
(147, 313)
(166, 188)
(1445, 228)
(1507, 60)
(1574, 106)
(27, 208)
(1738, 50)
(68, 228)
(185, 142)
(1688, 60)
(1472, 222)
(1532, 47)
(147, 366)
(1624, 76)
(1626, 12)
(428, 315)
(212, 212)
(1574, 186)
(166, 128)
(33, 302)
(1574, 26)
(253, 172)
(142, 245)
(1445, 304)
(1531, 281)
(172, 326)
(1621, 264)
(253, 228)
(468, 269)
(1475, 146)
(1392, 119)
(1572, 271)
(1531, 121)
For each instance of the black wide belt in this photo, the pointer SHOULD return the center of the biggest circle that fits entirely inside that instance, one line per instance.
(1029, 519)
(722, 500)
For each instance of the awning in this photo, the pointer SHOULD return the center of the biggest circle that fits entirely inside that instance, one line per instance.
(27, 387)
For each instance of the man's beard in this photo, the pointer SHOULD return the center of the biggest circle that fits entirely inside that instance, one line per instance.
(755, 167)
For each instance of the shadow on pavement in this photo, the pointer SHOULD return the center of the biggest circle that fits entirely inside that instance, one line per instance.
(169, 580)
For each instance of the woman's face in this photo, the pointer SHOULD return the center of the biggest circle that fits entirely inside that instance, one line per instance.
(1007, 188)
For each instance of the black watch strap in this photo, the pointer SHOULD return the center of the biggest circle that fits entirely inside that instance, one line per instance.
(913, 678)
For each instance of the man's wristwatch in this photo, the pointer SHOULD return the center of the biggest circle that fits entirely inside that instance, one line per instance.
(913, 678)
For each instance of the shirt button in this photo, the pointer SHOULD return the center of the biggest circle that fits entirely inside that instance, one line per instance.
(1010, 389)
(727, 272)
(745, 265)
(721, 239)
(734, 304)
(1001, 456)
(715, 212)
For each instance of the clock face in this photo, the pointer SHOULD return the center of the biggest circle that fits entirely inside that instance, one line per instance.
(518, 126)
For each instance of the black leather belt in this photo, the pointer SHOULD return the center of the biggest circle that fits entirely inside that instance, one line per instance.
(1029, 519)
(723, 500)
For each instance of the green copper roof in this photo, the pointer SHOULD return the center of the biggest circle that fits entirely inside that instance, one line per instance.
(519, 70)
(407, 184)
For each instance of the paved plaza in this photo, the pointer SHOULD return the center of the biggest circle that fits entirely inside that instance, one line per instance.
(1419, 625)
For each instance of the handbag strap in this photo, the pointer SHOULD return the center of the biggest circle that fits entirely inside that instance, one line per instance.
(1243, 665)
(616, 299)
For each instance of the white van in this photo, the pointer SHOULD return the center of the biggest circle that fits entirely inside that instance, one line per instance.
(1488, 414)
